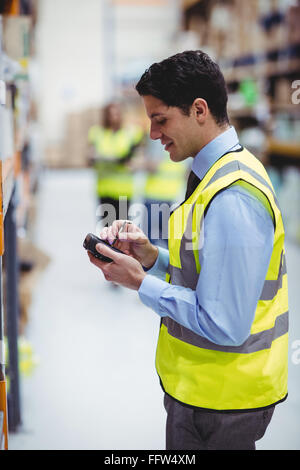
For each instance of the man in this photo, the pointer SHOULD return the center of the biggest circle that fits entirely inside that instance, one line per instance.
(222, 349)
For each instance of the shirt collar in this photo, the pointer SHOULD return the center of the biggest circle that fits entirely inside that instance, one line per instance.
(217, 147)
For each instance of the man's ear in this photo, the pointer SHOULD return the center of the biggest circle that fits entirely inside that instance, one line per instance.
(200, 109)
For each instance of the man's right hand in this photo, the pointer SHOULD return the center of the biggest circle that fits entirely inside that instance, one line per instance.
(132, 241)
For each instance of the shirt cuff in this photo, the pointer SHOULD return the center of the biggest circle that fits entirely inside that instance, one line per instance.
(161, 264)
(150, 292)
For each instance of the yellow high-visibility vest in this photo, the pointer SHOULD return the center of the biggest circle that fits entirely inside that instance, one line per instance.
(114, 178)
(167, 182)
(194, 370)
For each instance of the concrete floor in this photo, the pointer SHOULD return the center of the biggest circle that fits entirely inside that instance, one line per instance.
(96, 386)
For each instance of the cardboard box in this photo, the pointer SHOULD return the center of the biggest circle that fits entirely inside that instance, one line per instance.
(75, 144)
(30, 253)
(293, 22)
(283, 91)
(91, 117)
(54, 156)
(16, 36)
(198, 25)
(75, 153)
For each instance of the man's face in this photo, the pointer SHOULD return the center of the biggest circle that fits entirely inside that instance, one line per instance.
(178, 133)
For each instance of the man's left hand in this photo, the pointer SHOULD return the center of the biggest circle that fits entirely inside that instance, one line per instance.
(124, 269)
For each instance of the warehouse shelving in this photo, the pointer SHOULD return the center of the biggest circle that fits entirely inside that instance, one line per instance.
(262, 69)
(278, 147)
(257, 45)
(9, 268)
(266, 59)
(189, 3)
(13, 122)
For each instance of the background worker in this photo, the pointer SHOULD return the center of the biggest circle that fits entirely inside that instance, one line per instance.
(164, 186)
(114, 146)
(223, 343)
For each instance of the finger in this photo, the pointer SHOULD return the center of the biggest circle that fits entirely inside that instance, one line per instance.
(118, 226)
(107, 234)
(110, 233)
(102, 265)
(114, 229)
(104, 233)
(138, 237)
(132, 228)
(135, 234)
(106, 251)
(97, 262)
(107, 277)
(121, 245)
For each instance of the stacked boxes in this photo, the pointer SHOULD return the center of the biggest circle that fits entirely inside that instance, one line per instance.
(72, 152)
(16, 36)
(293, 22)
(234, 29)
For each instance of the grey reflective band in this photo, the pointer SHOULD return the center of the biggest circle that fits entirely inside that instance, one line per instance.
(271, 288)
(256, 342)
(236, 165)
(189, 276)
(184, 277)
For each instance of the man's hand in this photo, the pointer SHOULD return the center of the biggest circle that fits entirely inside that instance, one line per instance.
(131, 241)
(124, 270)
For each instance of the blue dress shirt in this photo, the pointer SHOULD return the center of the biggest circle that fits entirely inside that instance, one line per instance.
(234, 259)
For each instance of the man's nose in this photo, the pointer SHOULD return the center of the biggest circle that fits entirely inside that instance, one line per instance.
(155, 133)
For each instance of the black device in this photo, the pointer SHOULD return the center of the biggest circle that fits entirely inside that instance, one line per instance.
(90, 243)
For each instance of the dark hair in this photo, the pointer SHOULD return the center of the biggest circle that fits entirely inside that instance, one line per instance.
(180, 79)
(106, 118)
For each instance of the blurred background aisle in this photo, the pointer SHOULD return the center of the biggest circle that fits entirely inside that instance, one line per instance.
(79, 354)
(94, 386)
(95, 344)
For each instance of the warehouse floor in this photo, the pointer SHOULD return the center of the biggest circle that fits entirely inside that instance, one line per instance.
(95, 386)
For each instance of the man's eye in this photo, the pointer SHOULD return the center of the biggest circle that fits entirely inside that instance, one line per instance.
(162, 121)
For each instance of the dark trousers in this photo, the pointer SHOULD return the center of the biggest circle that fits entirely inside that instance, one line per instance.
(195, 429)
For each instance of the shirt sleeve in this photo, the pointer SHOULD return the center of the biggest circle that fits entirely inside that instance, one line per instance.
(160, 266)
(234, 259)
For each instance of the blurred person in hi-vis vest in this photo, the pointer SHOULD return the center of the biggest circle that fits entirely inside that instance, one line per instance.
(114, 145)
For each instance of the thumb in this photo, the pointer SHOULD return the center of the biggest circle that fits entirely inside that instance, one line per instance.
(106, 251)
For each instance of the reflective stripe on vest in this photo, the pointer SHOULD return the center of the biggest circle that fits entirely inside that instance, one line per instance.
(194, 370)
(254, 343)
